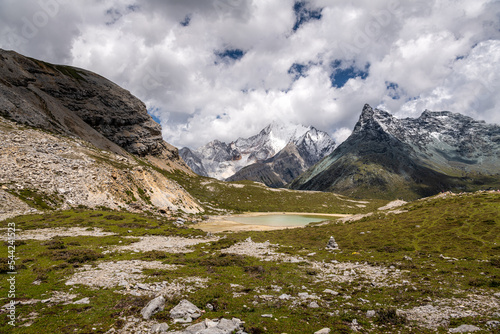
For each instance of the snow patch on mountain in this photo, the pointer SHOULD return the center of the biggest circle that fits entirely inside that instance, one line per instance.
(221, 160)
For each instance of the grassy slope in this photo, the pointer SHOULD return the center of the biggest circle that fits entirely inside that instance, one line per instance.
(464, 227)
(243, 196)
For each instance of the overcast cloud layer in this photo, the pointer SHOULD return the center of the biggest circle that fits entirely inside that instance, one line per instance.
(226, 68)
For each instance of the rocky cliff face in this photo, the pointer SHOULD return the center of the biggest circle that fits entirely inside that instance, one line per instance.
(79, 103)
(193, 161)
(275, 156)
(276, 171)
(390, 157)
(91, 134)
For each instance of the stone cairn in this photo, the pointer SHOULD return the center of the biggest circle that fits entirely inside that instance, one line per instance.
(331, 245)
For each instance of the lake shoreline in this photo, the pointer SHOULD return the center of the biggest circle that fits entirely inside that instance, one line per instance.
(218, 224)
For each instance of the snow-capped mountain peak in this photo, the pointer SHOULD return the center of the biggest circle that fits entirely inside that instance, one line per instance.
(221, 160)
(414, 157)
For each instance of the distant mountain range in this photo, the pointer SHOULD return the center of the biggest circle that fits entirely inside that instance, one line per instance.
(387, 157)
(275, 156)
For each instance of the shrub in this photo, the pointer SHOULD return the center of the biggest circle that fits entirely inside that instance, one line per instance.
(131, 305)
(54, 244)
(76, 255)
(155, 255)
(495, 262)
(17, 243)
(224, 260)
(477, 282)
(223, 243)
(389, 317)
(114, 217)
(256, 271)
(4, 265)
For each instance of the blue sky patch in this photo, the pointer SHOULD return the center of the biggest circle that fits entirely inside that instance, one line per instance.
(221, 116)
(151, 112)
(229, 55)
(186, 21)
(133, 8)
(342, 74)
(393, 90)
(304, 14)
(114, 16)
(298, 70)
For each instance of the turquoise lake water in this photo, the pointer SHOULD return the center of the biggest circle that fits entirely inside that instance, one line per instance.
(280, 220)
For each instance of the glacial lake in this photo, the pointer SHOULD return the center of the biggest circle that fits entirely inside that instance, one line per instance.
(279, 219)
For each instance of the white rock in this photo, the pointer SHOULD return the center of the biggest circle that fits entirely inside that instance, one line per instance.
(464, 329)
(493, 324)
(154, 306)
(211, 323)
(323, 331)
(85, 300)
(313, 305)
(159, 328)
(185, 311)
(370, 313)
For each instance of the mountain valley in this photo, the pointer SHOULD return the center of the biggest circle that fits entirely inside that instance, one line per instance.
(100, 220)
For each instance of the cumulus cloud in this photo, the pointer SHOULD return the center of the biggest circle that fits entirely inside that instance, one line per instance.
(226, 68)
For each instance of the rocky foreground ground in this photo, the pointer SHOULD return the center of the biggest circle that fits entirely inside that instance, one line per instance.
(167, 278)
(54, 171)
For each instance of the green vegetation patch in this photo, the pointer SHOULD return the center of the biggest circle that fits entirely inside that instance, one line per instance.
(444, 248)
(249, 196)
(36, 199)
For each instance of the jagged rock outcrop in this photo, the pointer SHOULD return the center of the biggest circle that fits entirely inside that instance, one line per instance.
(389, 158)
(275, 156)
(79, 103)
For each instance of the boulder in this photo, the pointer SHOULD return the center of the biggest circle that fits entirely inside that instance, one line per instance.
(185, 312)
(370, 313)
(85, 300)
(313, 305)
(323, 331)
(216, 326)
(464, 329)
(154, 306)
(159, 328)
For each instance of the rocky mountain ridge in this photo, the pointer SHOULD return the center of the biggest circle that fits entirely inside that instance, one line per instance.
(69, 137)
(276, 155)
(78, 103)
(386, 156)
